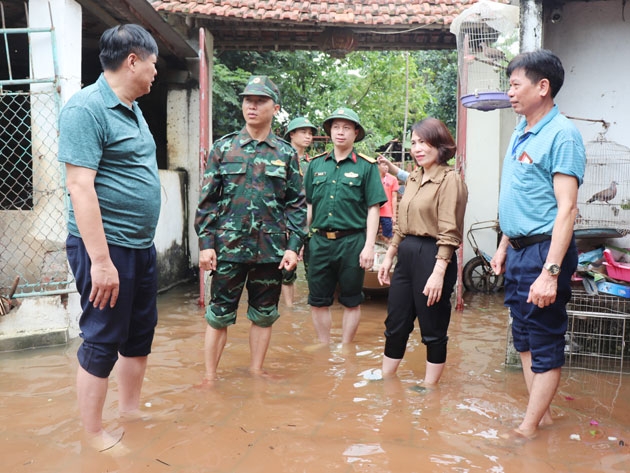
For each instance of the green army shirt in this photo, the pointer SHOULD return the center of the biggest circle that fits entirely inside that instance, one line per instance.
(251, 208)
(341, 192)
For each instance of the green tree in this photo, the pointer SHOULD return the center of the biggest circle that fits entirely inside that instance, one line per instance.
(375, 84)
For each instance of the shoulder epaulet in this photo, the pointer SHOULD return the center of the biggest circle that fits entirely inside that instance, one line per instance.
(319, 155)
(234, 133)
(367, 158)
(284, 141)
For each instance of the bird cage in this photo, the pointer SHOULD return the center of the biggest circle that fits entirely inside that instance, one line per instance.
(487, 38)
(604, 197)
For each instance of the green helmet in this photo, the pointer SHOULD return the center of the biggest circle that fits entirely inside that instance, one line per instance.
(298, 122)
(262, 86)
(346, 114)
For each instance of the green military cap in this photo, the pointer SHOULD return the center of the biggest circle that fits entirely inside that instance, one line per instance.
(346, 114)
(263, 86)
(299, 122)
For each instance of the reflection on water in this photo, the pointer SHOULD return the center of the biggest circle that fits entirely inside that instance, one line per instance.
(323, 409)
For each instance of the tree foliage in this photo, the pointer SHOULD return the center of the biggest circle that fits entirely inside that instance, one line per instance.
(375, 84)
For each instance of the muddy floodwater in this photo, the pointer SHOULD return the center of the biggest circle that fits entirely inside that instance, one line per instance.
(323, 409)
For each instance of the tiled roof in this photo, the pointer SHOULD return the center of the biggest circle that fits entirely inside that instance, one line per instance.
(282, 24)
(357, 12)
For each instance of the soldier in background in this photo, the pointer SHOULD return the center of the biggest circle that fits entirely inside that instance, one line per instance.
(300, 132)
(250, 221)
(344, 194)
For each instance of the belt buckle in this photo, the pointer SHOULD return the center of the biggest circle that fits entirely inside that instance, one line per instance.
(331, 235)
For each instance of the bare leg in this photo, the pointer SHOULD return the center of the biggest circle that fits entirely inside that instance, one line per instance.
(390, 366)
(259, 338)
(528, 374)
(288, 292)
(543, 389)
(130, 373)
(433, 372)
(322, 320)
(91, 393)
(213, 349)
(351, 317)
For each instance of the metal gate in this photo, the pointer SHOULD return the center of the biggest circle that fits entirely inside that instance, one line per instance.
(32, 199)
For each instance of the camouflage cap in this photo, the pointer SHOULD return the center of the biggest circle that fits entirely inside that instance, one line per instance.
(262, 86)
(299, 122)
(346, 114)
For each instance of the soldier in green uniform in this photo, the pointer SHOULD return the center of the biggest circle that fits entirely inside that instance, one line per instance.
(300, 133)
(251, 222)
(343, 194)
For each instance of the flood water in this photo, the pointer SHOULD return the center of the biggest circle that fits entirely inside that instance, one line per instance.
(322, 410)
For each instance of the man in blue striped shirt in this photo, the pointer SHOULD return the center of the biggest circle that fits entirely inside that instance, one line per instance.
(542, 170)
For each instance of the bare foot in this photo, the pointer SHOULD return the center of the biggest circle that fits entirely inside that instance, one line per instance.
(260, 373)
(208, 381)
(134, 415)
(109, 442)
(517, 436)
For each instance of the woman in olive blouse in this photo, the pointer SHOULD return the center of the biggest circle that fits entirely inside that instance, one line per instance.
(427, 233)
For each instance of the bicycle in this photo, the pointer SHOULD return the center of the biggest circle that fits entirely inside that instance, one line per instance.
(478, 275)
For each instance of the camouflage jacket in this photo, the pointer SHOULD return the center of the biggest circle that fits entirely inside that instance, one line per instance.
(252, 206)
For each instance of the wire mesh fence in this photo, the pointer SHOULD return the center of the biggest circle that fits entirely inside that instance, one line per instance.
(32, 199)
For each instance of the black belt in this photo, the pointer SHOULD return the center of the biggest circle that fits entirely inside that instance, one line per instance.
(524, 242)
(336, 234)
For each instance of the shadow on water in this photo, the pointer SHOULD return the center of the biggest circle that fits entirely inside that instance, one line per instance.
(323, 409)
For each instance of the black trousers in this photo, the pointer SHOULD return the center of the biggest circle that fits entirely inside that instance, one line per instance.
(406, 302)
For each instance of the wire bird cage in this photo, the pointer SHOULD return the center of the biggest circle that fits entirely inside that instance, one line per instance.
(597, 337)
(604, 197)
(487, 38)
(598, 333)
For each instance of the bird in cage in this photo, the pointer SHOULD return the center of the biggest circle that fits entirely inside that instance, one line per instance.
(605, 195)
(496, 55)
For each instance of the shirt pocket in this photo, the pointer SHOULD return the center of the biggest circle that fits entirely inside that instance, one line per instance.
(276, 176)
(233, 175)
(351, 189)
(319, 187)
(523, 175)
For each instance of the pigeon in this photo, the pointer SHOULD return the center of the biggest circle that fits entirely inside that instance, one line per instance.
(605, 195)
(492, 53)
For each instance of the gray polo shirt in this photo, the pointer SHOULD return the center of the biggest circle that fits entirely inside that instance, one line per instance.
(99, 132)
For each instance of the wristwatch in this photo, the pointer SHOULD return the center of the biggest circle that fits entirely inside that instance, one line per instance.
(553, 268)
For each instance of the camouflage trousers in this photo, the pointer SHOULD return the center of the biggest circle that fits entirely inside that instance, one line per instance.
(263, 282)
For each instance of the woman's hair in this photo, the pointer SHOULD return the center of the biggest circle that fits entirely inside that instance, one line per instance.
(120, 41)
(434, 132)
(538, 65)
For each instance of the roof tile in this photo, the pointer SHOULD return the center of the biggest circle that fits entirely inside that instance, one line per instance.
(365, 12)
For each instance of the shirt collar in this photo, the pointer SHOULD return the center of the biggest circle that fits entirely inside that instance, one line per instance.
(244, 138)
(538, 126)
(435, 174)
(109, 96)
(352, 156)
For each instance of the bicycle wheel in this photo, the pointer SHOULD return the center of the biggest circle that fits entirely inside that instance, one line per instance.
(478, 279)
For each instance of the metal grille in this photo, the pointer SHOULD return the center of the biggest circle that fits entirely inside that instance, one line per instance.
(32, 199)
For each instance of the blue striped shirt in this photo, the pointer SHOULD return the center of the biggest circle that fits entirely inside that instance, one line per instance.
(527, 203)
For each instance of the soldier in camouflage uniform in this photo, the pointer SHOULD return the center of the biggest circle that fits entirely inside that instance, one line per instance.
(344, 195)
(300, 133)
(250, 221)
